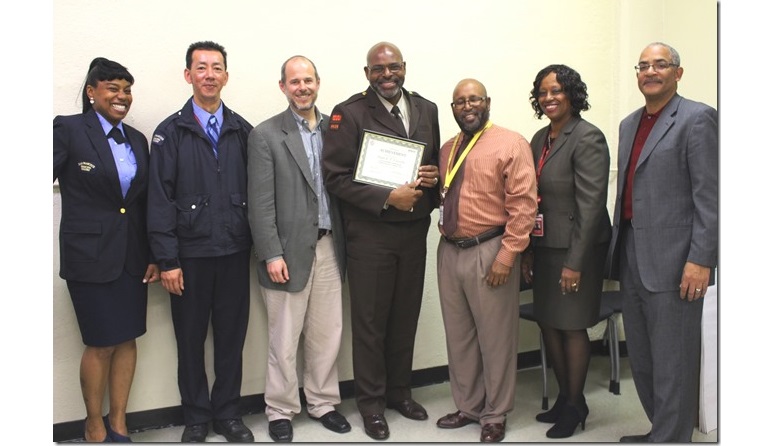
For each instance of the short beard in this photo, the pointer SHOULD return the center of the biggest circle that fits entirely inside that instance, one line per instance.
(305, 108)
(388, 95)
(470, 129)
(295, 105)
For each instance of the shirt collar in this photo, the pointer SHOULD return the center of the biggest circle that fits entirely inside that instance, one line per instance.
(652, 115)
(302, 122)
(107, 126)
(402, 104)
(203, 115)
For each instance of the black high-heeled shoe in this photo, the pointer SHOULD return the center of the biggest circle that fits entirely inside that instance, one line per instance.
(568, 421)
(582, 406)
(552, 415)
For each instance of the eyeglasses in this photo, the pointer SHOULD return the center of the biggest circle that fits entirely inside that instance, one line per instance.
(656, 66)
(393, 68)
(473, 101)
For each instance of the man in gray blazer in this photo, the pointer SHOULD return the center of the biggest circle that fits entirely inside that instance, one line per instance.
(664, 242)
(300, 249)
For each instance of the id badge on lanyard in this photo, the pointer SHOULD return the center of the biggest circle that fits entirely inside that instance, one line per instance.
(538, 230)
(442, 194)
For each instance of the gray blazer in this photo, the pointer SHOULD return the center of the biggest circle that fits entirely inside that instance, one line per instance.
(676, 193)
(573, 188)
(283, 204)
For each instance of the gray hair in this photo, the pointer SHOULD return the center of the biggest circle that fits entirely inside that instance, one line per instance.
(674, 53)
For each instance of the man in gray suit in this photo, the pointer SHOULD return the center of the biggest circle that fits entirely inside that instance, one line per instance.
(664, 242)
(300, 248)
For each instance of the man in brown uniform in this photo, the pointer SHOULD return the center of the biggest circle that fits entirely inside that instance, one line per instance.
(385, 231)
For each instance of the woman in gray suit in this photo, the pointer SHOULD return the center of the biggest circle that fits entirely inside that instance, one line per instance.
(101, 164)
(565, 259)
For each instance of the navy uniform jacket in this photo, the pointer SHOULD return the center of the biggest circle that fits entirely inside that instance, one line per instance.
(365, 111)
(101, 233)
(197, 202)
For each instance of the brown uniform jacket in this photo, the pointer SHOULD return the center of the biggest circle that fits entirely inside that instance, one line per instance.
(342, 142)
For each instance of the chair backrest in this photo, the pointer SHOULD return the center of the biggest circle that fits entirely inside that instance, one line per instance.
(527, 312)
(613, 300)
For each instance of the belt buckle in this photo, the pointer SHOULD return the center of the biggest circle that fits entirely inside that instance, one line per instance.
(467, 243)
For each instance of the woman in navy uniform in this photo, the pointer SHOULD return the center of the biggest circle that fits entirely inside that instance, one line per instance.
(101, 164)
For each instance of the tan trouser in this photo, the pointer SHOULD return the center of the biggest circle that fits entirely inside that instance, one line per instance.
(315, 313)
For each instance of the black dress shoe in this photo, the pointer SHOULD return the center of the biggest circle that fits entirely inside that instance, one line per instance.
(195, 433)
(492, 432)
(234, 430)
(376, 427)
(281, 430)
(635, 438)
(334, 421)
(410, 409)
(454, 420)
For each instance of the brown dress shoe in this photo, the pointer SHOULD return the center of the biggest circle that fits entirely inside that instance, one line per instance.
(454, 420)
(376, 427)
(410, 409)
(492, 432)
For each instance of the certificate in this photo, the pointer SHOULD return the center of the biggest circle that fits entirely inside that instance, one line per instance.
(386, 160)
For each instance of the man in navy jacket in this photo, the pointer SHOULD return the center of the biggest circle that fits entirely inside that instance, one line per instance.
(199, 233)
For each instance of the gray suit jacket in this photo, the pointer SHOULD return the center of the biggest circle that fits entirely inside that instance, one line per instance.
(676, 193)
(573, 190)
(283, 203)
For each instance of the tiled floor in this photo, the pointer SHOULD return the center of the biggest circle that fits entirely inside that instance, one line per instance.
(611, 416)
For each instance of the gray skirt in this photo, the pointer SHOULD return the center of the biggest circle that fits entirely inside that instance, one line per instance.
(571, 311)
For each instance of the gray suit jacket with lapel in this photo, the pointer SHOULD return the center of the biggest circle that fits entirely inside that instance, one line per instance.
(573, 190)
(675, 195)
(283, 203)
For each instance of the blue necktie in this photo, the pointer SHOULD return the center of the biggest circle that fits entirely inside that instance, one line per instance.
(213, 132)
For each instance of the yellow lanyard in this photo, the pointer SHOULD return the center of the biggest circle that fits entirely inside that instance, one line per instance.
(450, 174)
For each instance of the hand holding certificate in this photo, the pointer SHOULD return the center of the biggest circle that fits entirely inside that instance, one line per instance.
(388, 161)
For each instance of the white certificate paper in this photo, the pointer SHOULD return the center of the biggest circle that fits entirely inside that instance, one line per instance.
(386, 160)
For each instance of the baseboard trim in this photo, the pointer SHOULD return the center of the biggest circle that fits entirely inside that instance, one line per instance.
(172, 416)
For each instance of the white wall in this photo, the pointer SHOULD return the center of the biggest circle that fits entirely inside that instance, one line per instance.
(501, 43)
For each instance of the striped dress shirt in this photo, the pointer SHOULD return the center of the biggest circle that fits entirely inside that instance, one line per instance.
(498, 189)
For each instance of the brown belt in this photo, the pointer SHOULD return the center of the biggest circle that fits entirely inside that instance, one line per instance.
(464, 243)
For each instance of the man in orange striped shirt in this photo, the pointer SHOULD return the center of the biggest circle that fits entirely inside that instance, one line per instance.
(488, 207)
